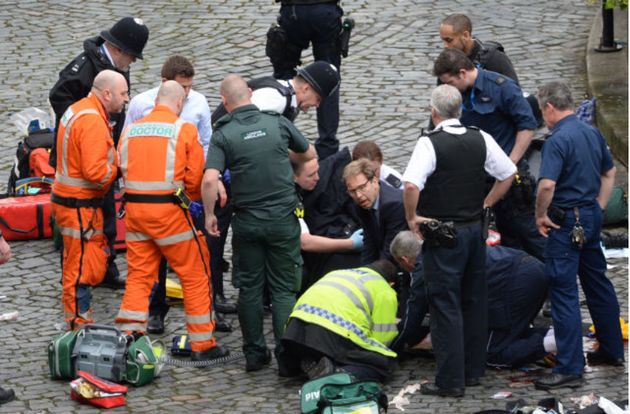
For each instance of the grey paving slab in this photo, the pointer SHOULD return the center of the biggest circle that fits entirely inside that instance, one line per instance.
(384, 96)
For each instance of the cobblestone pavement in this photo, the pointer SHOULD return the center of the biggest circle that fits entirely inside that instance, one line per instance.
(385, 90)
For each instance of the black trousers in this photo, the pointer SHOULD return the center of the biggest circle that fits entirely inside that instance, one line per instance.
(320, 25)
(109, 229)
(457, 294)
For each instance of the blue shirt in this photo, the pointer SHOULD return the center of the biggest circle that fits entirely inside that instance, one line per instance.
(496, 105)
(575, 156)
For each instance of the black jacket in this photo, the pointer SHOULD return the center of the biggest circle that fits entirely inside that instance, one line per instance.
(378, 235)
(75, 82)
(328, 209)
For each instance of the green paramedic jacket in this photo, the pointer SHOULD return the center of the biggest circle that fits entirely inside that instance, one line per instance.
(357, 304)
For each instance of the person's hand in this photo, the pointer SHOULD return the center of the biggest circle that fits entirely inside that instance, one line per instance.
(357, 239)
(414, 225)
(5, 251)
(544, 224)
(212, 225)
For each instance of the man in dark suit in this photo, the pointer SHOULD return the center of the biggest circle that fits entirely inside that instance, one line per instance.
(380, 209)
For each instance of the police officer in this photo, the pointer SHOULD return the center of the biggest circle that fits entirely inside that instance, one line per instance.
(311, 85)
(445, 181)
(317, 22)
(456, 32)
(115, 49)
(495, 104)
(576, 179)
(330, 327)
(254, 145)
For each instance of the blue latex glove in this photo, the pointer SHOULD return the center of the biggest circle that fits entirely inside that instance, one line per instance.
(357, 239)
(195, 209)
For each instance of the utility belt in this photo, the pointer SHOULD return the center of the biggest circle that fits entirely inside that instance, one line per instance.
(178, 197)
(558, 215)
(76, 202)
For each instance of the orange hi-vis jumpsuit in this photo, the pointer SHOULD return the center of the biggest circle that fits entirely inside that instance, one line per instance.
(86, 168)
(159, 154)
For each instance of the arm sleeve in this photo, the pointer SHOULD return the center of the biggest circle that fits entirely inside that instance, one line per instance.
(552, 160)
(215, 158)
(421, 164)
(297, 142)
(517, 107)
(205, 126)
(269, 99)
(66, 91)
(96, 146)
(498, 164)
(194, 162)
(607, 161)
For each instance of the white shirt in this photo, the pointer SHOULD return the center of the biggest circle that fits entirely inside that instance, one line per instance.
(386, 171)
(422, 162)
(270, 99)
(196, 111)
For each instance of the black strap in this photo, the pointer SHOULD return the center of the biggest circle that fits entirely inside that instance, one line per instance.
(150, 198)
(76, 202)
(14, 230)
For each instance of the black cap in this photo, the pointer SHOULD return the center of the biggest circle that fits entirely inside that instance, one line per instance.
(322, 76)
(129, 34)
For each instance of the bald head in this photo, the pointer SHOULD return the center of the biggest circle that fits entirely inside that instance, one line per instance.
(171, 94)
(110, 87)
(235, 92)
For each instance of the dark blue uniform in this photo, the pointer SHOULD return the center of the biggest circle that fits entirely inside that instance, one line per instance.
(496, 105)
(319, 23)
(575, 157)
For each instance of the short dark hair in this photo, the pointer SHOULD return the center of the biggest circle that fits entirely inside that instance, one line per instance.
(450, 62)
(386, 269)
(367, 149)
(177, 66)
(459, 22)
(558, 94)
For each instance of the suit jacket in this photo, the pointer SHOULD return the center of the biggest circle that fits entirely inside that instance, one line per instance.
(378, 233)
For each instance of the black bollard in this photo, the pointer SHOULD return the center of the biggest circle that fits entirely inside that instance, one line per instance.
(607, 42)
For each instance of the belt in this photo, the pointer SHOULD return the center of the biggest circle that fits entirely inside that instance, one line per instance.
(150, 198)
(76, 202)
(461, 224)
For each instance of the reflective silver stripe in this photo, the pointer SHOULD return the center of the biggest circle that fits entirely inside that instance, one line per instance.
(199, 337)
(153, 129)
(61, 177)
(70, 232)
(198, 319)
(132, 326)
(385, 327)
(153, 185)
(110, 161)
(136, 236)
(175, 238)
(357, 302)
(122, 153)
(133, 315)
(356, 283)
(75, 182)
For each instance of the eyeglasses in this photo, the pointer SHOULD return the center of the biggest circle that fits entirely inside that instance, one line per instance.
(360, 189)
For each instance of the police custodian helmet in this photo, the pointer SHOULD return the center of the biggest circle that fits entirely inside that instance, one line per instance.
(322, 76)
(129, 34)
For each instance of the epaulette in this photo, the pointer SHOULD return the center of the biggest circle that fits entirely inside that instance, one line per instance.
(78, 63)
(500, 80)
(271, 113)
(476, 128)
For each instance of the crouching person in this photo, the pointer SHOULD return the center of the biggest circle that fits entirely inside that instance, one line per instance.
(344, 322)
(161, 159)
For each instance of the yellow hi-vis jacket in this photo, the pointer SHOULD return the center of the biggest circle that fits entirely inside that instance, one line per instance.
(357, 304)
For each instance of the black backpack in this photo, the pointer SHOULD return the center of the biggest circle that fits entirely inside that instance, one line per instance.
(485, 50)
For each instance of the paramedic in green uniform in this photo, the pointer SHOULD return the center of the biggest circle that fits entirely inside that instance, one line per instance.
(255, 147)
